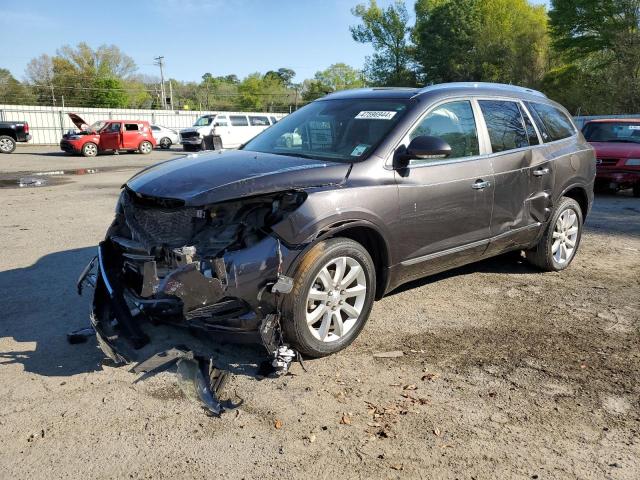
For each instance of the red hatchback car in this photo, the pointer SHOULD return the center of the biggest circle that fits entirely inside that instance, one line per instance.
(617, 146)
(108, 135)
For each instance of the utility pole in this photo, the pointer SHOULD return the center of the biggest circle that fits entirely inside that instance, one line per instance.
(171, 95)
(53, 97)
(160, 62)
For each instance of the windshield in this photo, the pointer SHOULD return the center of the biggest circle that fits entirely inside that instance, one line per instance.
(97, 126)
(343, 130)
(625, 132)
(203, 121)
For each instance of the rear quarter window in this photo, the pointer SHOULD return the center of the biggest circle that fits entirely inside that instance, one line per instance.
(259, 121)
(552, 121)
(238, 121)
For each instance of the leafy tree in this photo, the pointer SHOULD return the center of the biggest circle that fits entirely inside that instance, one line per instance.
(12, 91)
(387, 30)
(338, 76)
(600, 39)
(109, 92)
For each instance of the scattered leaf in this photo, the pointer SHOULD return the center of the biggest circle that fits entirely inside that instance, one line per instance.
(277, 424)
(397, 466)
(345, 420)
(410, 387)
(436, 432)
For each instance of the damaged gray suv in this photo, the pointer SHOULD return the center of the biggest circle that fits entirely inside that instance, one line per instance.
(290, 239)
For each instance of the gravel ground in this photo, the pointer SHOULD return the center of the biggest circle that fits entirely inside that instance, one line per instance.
(506, 372)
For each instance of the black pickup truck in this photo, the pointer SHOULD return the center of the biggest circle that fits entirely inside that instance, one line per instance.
(12, 132)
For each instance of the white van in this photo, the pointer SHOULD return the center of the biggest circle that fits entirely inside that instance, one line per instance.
(231, 130)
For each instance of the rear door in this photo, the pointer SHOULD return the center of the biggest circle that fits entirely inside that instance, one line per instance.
(258, 123)
(110, 136)
(445, 205)
(131, 136)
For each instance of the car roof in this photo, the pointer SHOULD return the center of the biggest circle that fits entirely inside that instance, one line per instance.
(442, 89)
(127, 120)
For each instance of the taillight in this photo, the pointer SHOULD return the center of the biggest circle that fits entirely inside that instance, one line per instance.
(26, 127)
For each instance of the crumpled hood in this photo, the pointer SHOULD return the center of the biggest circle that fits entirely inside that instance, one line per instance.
(616, 150)
(215, 177)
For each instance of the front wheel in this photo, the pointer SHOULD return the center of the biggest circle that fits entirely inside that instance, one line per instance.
(559, 243)
(7, 144)
(145, 147)
(89, 149)
(332, 296)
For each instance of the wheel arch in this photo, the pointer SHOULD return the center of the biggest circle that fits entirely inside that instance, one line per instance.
(9, 133)
(369, 236)
(579, 194)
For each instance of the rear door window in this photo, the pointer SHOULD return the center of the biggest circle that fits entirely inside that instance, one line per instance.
(221, 121)
(238, 121)
(555, 122)
(131, 127)
(259, 121)
(505, 125)
(453, 122)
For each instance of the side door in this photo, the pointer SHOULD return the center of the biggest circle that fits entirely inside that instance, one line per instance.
(519, 208)
(110, 136)
(239, 131)
(445, 204)
(131, 136)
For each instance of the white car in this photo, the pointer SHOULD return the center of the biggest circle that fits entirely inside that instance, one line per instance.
(231, 130)
(165, 137)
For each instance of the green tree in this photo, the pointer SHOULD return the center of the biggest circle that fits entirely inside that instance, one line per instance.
(338, 76)
(490, 40)
(387, 30)
(600, 40)
(109, 93)
(12, 91)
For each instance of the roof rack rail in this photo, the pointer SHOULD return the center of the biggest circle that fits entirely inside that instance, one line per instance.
(496, 86)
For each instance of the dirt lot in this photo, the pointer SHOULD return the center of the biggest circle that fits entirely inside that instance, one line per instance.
(506, 373)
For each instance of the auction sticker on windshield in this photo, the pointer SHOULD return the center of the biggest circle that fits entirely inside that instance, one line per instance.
(376, 115)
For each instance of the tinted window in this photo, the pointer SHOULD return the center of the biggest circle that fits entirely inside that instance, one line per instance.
(131, 127)
(556, 123)
(505, 125)
(154, 128)
(454, 123)
(238, 120)
(259, 121)
(531, 131)
(273, 120)
(114, 127)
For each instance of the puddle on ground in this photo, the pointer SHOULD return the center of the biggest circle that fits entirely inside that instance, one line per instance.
(52, 177)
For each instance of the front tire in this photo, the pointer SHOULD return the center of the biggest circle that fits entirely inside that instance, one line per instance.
(145, 147)
(332, 297)
(89, 149)
(559, 243)
(7, 144)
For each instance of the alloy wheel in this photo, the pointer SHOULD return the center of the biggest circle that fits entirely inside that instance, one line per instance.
(91, 150)
(565, 236)
(145, 147)
(336, 299)
(6, 145)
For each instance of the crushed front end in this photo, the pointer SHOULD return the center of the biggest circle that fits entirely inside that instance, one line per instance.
(215, 270)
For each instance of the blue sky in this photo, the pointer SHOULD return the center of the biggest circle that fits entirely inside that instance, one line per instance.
(195, 36)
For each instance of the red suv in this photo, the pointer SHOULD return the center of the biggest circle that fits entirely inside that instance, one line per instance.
(108, 135)
(617, 146)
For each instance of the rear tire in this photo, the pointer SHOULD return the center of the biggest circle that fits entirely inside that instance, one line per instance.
(165, 143)
(332, 297)
(7, 144)
(559, 244)
(89, 149)
(145, 147)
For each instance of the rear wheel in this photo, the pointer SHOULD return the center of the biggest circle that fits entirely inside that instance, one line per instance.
(165, 143)
(145, 147)
(89, 149)
(7, 144)
(559, 243)
(332, 296)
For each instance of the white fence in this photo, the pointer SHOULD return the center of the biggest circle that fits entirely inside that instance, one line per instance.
(47, 124)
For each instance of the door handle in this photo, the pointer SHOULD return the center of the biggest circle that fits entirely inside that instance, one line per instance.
(480, 185)
(540, 172)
